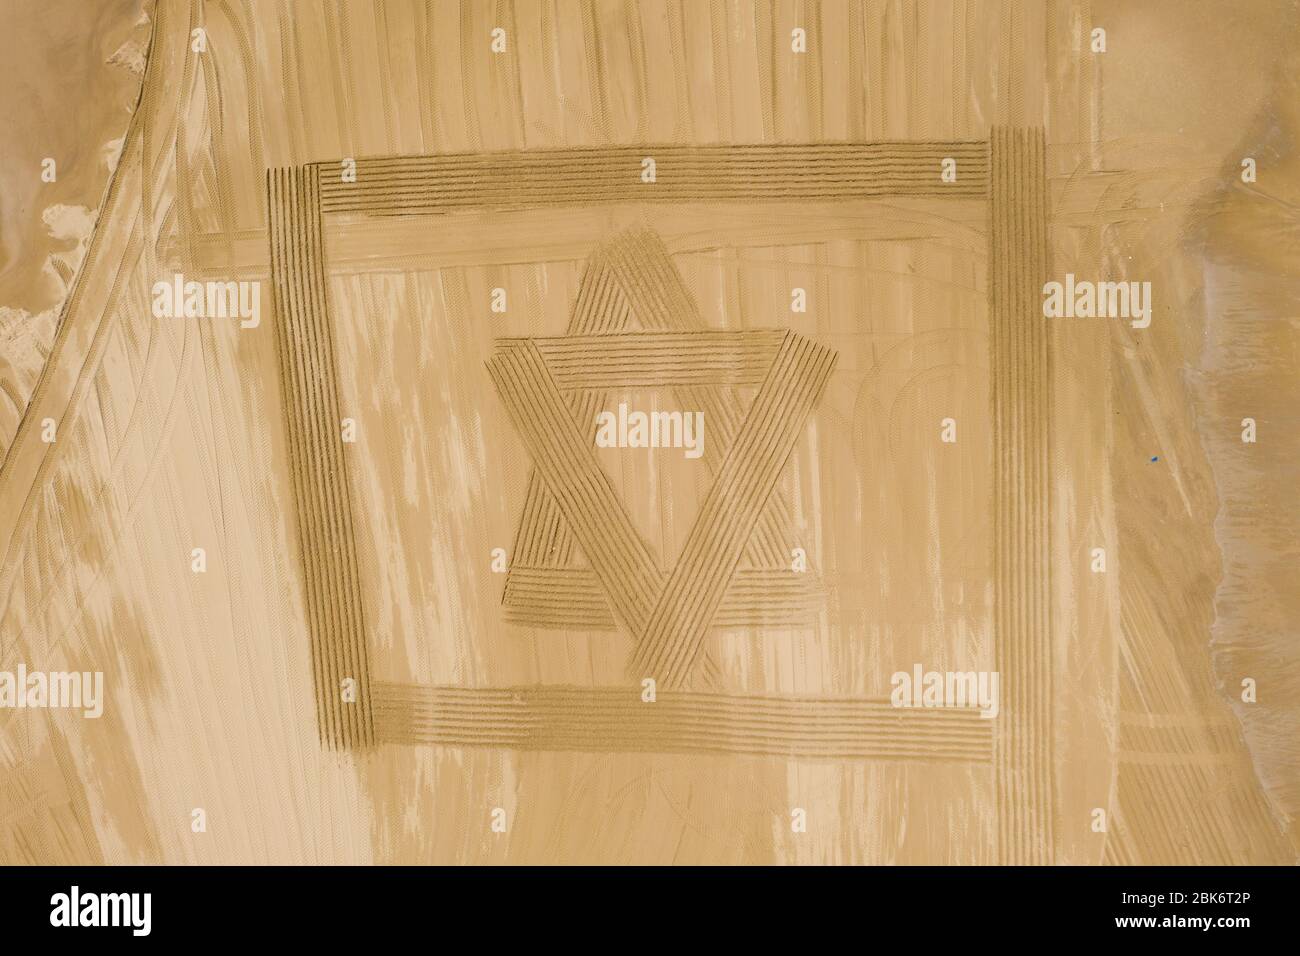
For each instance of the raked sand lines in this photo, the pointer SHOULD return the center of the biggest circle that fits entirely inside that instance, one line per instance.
(1021, 555)
(572, 597)
(668, 614)
(401, 185)
(324, 506)
(630, 281)
(616, 719)
(667, 647)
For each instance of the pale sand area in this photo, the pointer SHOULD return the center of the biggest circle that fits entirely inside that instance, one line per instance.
(73, 74)
(1215, 530)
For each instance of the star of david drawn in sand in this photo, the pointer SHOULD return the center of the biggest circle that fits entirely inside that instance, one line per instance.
(735, 566)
